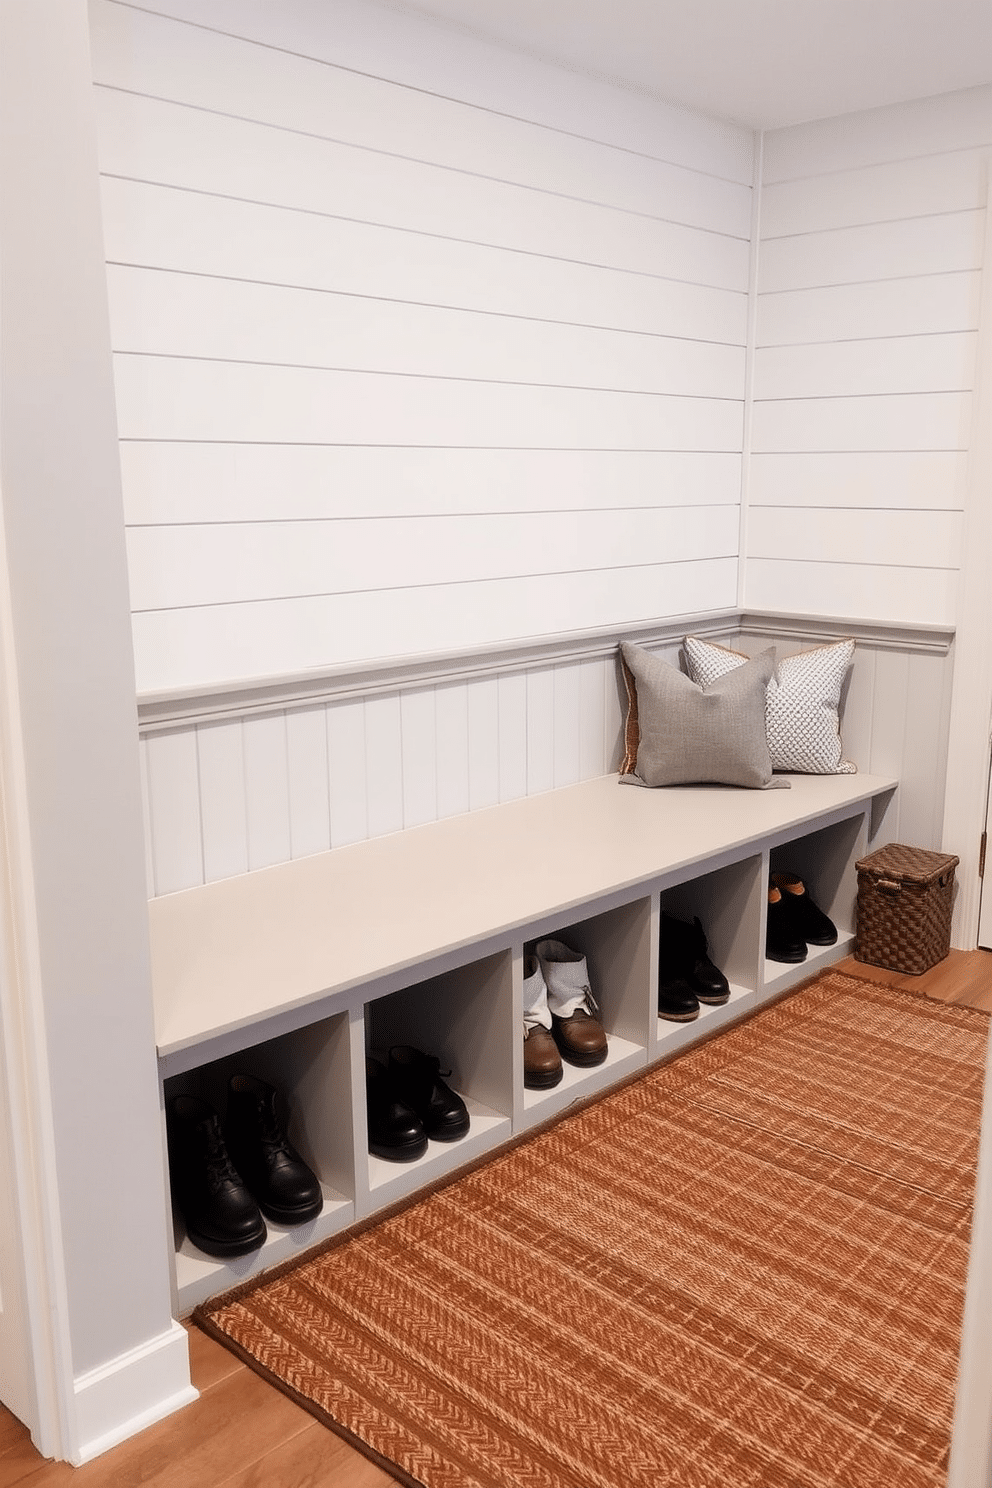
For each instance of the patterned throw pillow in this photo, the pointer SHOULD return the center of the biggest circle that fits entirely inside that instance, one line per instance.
(802, 704)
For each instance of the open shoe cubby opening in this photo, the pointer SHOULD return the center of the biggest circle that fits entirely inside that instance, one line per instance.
(825, 861)
(310, 1069)
(729, 903)
(617, 946)
(464, 1018)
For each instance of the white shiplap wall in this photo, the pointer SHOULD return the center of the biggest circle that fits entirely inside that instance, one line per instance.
(871, 240)
(419, 345)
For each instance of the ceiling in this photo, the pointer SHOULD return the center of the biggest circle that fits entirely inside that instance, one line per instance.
(763, 63)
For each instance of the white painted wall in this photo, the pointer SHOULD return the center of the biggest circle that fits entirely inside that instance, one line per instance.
(871, 241)
(91, 1308)
(419, 345)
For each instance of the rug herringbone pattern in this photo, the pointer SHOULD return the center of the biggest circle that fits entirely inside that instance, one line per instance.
(746, 1268)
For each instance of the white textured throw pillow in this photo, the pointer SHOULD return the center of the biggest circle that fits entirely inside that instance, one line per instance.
(801, 705)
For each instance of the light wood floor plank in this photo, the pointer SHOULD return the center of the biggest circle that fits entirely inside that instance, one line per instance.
(314, 1459)
(242, 1433)
(964, 977)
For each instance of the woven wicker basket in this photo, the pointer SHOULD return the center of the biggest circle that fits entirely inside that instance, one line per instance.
(905, 896)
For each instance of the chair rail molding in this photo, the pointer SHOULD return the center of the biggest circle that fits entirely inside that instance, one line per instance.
(170, 709)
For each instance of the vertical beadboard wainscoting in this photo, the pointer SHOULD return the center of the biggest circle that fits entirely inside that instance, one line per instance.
(241, 779)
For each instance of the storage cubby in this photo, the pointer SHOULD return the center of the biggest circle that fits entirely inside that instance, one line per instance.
(824, 859)
(294, 975)
(728, 902)
(617, 946)
(310, 1069)
(464, 1017)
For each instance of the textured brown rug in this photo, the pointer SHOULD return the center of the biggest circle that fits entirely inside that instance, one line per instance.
(746, 1268)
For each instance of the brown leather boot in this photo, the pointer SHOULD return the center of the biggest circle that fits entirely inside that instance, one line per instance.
(580, 1036)
(542, 1062)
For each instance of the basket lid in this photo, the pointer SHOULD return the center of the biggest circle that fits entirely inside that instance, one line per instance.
(911, 865)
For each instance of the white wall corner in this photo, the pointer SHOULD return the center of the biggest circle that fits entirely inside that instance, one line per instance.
(138, 1388)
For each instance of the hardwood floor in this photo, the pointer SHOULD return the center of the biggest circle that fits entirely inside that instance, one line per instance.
(242, 1433)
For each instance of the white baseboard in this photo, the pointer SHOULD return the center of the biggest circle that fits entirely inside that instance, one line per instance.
(122, 1397)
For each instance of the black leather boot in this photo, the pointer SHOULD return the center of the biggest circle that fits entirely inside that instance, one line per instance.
(286, 1189)
(417, 1078)
(676, 1000)
(783, 942)
(220, 1214)
(684, 957)
(807, 919)
(395, 1132)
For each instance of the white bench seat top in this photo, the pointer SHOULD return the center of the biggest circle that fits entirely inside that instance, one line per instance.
(226, 955)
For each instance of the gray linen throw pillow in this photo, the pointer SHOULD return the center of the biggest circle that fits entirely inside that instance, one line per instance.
(690, 734)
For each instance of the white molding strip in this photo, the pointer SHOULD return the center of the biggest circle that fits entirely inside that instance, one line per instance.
(161, 711)
(133, 1391)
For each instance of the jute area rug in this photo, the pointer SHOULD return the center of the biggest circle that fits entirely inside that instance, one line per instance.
(744, 1269)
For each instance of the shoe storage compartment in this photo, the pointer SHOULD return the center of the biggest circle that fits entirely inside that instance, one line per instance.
(465, 1018)
(310, 1069)
(728, 902)
(293, 975)
(824, 859)
(617, 946)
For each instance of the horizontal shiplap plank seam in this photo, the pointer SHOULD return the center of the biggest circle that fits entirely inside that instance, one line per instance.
(584, 387)
(419, 232)
(433, 584)
(447, 98)
(894, 158)
(865, 341)
(867, 225)
(398, 300)
(848, 397)
(529, 511)
(852, 284)
(351, 144)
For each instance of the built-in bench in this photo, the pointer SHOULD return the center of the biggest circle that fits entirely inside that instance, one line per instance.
(294, 972)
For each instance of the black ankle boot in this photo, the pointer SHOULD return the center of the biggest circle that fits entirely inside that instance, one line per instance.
(418, 1083)
(783, 942)
(684, 957)
(286, 1189)
(807, 919)
(220, 1214)
(395, 1132)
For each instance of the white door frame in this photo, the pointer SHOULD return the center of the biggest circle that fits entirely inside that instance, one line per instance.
(968, 751)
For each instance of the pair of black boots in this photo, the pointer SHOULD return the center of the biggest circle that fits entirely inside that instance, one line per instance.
(686, 975)
(226, 1177)
(408, 1104)
(795, 922)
